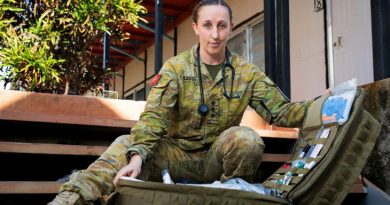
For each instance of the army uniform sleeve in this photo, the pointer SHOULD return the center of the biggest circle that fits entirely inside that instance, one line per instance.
(156, 117)
(273, 106)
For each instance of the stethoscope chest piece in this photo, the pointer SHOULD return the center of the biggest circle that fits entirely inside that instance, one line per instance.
(203, 109)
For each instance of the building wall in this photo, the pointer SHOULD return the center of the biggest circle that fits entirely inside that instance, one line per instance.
(242, 11)
(150, 63)
(118, 84)
(168, 48)
(134, 73)
(135, 69)
(307, 51)
(186, 36)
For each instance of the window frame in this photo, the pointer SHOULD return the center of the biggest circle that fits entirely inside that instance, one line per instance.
(246, 27)
(140, 87)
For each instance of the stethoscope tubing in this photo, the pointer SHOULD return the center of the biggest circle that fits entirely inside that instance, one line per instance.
(203, 109)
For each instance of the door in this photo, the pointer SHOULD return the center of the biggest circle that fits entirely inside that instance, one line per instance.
(352, 41)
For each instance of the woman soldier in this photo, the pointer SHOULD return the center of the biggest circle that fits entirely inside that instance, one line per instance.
(190, 125)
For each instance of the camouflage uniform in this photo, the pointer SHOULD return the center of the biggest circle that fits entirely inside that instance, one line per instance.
(172, 135)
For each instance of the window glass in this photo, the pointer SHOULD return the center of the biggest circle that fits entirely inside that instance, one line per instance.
(130, 97)
(240, 45)
(139, 96)
(256, 46)
(237, 44)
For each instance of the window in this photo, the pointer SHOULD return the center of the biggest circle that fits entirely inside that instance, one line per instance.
(248, 41)
(137, 93)
(237, 44)
(130, 97)
(256, 48)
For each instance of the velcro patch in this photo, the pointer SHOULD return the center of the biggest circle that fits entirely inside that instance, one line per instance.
(155, 80)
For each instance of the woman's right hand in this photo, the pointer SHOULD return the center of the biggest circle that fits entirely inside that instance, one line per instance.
(132, 169)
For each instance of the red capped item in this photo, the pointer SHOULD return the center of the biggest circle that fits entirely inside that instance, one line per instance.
(155, 80)
(286, 166)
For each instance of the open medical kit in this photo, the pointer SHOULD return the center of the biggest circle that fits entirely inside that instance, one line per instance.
(327, 160)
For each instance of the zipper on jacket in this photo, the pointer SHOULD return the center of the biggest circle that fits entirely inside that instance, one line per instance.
(318, 184)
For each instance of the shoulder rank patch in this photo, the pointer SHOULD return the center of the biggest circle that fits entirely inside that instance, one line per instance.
(155, 80)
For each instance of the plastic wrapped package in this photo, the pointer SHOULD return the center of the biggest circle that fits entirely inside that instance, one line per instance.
(337, 107)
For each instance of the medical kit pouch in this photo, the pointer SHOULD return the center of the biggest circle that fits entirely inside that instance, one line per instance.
(327, 160)
(328, 157)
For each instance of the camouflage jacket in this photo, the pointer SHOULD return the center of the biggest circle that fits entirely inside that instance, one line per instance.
(171, 108)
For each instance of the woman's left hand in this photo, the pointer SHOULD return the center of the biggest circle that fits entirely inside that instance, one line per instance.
(133, 169)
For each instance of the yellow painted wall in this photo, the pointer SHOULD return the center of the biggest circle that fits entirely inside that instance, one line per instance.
(168, 50)
(118, 84)
(186, 36)
(134, 73)
(243, 10)
(150, 63)
(135, 69)
(168, 47)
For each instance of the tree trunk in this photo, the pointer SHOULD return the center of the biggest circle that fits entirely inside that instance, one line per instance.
(68, 79)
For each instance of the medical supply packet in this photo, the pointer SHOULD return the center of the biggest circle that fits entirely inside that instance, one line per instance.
(337, 107)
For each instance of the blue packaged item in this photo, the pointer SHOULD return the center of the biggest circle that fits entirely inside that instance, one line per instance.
(337, 107)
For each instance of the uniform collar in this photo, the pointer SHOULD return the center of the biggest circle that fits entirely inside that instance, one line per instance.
(207, 84)
(194, 54)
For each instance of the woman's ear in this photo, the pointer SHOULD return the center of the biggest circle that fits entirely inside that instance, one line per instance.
(231, 28)
(195, 27)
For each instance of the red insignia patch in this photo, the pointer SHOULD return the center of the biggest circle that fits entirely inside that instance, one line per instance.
(155, 80)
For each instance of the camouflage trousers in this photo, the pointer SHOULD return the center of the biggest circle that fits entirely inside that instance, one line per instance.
(236, 153)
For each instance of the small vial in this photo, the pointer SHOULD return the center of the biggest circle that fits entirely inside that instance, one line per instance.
(166, 177)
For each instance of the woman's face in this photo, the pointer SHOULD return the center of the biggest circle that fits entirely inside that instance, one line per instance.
(213, 28)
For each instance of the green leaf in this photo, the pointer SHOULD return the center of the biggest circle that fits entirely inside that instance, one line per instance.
(12, 9)
(7, 21)
(25, 69)
(45, 14)
(105, 29)
(86, 21)
(52, 45)
(12, 1)
(68, 20)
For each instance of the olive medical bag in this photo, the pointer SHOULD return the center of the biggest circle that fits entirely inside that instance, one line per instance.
(324, 178)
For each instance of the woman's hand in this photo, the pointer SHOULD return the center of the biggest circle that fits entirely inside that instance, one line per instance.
(132, 169)
(328, 91)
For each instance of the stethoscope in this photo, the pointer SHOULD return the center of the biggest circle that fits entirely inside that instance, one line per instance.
(203, 109)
